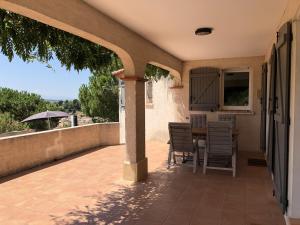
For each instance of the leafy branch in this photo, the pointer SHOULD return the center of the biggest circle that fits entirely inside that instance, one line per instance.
(32, 40)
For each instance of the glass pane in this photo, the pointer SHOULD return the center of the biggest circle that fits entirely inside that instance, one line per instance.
(149, 91)
(236, 88)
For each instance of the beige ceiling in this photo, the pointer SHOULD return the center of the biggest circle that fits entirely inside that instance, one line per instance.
(241, 27)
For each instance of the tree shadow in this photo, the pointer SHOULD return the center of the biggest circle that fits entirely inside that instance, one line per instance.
(127, 204)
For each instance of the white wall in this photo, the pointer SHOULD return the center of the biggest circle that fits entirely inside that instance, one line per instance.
(294, 141)
(172, 105)
(167, 107)
(247, 123)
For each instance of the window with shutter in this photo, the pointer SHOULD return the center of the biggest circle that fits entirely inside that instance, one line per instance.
(204, 89)
(149, 92)
(122, 94)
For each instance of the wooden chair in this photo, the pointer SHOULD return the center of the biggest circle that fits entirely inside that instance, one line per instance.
(228, 117)
(181, 140)
(199, 121)
(231, 118)
(219, 145)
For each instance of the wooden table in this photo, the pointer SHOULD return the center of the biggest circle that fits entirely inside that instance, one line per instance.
(203, 131)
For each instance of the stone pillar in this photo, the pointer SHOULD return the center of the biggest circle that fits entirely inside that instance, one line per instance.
(135, 165)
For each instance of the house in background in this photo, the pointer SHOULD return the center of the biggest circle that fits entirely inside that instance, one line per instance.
(249, 65)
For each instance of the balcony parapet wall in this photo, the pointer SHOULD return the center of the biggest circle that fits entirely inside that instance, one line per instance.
(26, 151)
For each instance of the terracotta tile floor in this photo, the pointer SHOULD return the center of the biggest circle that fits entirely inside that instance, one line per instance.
(88, 190)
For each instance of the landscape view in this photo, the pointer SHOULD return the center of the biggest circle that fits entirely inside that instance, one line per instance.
(47, 69)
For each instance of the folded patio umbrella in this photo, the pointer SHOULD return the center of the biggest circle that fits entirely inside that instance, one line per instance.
(46, 115)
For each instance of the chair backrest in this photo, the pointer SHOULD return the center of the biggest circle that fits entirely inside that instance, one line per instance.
(198, 120)
(228, 117)
(219, 137)
(181, 138)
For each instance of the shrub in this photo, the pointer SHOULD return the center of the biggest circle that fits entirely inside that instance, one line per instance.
(8, 124)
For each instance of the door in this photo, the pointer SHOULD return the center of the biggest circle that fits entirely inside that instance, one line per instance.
(281, 114)
(263, 103)
(271, 109)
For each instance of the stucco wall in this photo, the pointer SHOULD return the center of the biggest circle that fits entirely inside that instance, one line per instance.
(168, 105)
(25, 151)
(173, 104)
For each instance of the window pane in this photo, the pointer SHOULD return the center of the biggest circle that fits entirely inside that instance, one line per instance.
(236, 88)
(149, 92)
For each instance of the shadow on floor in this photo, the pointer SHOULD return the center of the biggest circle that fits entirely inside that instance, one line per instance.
(179, 197)
(127, 204)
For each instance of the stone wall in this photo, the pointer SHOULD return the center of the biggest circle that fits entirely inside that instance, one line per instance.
(22, 152)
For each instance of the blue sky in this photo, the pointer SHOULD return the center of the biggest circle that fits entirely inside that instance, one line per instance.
(56, 83)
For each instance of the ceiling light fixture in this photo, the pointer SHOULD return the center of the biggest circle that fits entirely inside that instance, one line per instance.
(204, 31)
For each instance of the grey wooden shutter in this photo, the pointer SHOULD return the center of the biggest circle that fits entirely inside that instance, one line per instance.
(263, 102)
(281, 115)
(271, 109)
(204, 89)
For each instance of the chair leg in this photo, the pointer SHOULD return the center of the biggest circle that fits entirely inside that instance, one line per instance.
(183, 157)
(236, 143)
(234, 164)
(198, 157)
(195, 159)
(174, 157)
(205, 161)
(169, 157)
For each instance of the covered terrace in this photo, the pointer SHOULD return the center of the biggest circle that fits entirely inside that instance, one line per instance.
(89, 189)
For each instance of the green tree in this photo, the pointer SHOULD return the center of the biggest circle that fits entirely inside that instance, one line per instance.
(21, 104)
(32, 40)
(100, 97)
(70, 106)
(8, 123)
(76, 105)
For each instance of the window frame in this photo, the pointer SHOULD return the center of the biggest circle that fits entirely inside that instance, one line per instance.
(121, 94)
(249, 107)
(148, 101)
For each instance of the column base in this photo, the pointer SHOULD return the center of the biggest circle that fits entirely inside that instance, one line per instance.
(135, 171)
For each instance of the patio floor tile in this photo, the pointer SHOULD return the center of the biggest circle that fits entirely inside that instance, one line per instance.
(88, 189)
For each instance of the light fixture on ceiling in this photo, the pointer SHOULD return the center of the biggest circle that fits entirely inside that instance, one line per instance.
(204, 31)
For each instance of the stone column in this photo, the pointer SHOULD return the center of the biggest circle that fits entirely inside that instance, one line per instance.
(135, 165)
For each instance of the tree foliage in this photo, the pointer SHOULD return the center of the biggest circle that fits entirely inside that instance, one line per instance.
(21, 104)
(8, 123)
(100, 97)
(155, 73)
(32, 40)
(70, 106)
